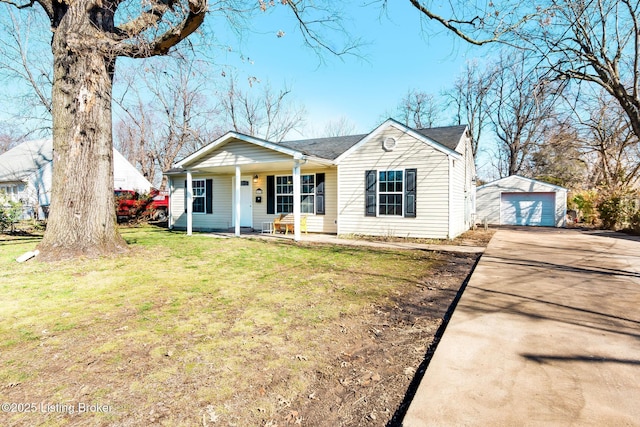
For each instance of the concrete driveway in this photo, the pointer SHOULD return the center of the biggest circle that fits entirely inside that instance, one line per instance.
(547, 332)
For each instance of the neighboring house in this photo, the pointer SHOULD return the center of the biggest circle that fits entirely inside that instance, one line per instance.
(26, 176)
(394, 181)
(516, 200)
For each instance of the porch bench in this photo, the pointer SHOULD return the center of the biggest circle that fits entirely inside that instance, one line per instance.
(285, 224)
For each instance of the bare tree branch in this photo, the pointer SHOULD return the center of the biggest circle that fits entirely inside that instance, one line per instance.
(596, 41)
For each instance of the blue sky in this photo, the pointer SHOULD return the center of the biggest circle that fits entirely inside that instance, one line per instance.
(396, 56)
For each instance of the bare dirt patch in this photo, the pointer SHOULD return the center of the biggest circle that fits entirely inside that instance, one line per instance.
(378, 355)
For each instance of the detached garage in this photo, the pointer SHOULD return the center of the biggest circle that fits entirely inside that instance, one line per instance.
(516, 200)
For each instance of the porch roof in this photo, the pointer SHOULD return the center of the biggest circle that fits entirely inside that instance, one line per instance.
(287, 153)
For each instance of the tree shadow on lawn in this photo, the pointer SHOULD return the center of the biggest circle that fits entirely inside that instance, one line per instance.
(18, 239)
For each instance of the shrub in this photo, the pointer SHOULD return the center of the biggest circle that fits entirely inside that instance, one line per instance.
(619, 209)
(10, 213)
(584, 202)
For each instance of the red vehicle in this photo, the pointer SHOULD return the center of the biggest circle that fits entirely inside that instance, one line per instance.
(131, 204)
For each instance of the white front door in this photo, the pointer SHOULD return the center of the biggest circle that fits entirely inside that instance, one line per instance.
(246, 205)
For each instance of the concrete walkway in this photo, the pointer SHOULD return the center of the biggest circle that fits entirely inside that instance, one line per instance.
(547, 333)
(332, 239)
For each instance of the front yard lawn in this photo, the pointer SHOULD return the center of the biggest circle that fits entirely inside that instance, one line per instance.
(188, 331)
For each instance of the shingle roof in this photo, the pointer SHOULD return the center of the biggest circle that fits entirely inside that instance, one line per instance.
(449, 136)
(326, 148)
(333, 147)
(21, 161)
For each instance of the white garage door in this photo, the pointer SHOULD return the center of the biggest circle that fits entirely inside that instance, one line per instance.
(528, 209)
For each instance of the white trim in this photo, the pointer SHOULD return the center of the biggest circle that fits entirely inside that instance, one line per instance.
(296, 201)
(402, 128)
(189, 206)
(450, 230)
(204, 180)
(276, 193)
(402, 193)
(315, 198)
(249, 179)
(230, 136)
(530, 180)
(170, 204)
(338, 199)
(238, 201)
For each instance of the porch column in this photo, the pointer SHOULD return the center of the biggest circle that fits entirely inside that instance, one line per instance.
(189, 191)
(238, 182)
(296, 201)
(170, 207)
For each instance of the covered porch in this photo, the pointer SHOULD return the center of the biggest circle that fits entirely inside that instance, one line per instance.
(242, 183)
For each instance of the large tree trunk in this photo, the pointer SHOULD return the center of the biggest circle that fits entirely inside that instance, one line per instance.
(82, 219)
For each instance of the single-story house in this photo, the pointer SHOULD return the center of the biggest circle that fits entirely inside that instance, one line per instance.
(26, 176)
(393, 181)
(516, 200)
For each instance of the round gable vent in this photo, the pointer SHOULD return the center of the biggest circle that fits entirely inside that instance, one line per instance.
(389, 144)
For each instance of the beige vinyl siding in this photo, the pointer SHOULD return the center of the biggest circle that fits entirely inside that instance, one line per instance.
(241, 153)
(432, 195)
(463, 191)
(315, 223)
(458, 225)
(470, 182)
(220, 219)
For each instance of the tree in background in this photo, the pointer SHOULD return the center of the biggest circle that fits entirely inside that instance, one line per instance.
(610, 138)
(470, 99)
(25, 54)
(594, 42)
(165, 114)
(340, 127)
(85, 45)
(522, 102)
(264, 114)
(419, 109)
(8, 138)
(87, 38)
(561, 158)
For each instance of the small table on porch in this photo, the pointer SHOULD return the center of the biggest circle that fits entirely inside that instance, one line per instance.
(267, 227)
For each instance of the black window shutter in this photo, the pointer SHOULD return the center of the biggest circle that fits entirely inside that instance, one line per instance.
(320, 194)
(209, 196)
(271, 194)
(185, 196)
(370, 193)
(410, 185)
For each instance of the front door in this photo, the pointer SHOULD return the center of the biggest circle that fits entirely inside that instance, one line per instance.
(246, 205)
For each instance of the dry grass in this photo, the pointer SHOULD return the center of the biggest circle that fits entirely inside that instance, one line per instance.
(183, 330)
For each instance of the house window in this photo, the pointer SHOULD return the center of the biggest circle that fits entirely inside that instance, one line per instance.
(284, 194)
(390, 191)
(199, 195)
(308, 193)
(12, 192)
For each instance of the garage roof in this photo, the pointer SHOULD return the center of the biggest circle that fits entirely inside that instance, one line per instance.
(522, 178)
